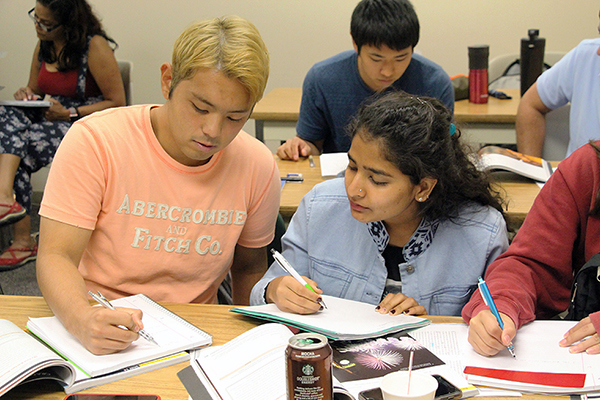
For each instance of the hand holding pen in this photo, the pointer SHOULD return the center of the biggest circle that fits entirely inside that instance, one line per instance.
(287, 267)
(489, 301)
(103, 301)
(25, 93)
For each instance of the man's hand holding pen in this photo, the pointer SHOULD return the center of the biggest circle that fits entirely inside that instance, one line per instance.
(101, 329)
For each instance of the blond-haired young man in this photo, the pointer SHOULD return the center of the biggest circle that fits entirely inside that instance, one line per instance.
(163, 200)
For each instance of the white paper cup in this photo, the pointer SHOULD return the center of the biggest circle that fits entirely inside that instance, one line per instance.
(394, 386)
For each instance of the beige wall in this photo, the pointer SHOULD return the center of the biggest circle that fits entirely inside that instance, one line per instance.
(302, 32)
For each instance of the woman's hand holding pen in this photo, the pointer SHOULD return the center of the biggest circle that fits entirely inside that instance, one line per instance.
(25, 93)
(291, 296)
(102, 330)
(485, 334)
(398, 303)
(584, 329)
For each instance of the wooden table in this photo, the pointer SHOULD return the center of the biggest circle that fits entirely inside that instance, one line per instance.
(489, 123)
(494, 122)
(214, 319)
(519, 191)
(279, 109)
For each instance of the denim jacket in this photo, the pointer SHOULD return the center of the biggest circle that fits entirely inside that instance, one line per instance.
(344, 256)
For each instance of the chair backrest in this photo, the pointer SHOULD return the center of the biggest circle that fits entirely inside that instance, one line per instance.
(125, 68)
(557, 136)
(498, 65)
(557, 121)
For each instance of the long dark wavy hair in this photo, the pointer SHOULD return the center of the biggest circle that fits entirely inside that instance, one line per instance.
(79, 22)
(414, 134)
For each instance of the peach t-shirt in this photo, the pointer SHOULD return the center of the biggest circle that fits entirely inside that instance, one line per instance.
(159, 227)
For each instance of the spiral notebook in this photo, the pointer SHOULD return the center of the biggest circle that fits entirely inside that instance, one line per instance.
(173, 334)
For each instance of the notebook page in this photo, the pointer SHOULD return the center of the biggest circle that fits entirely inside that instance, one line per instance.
(170, 332)
(341, 317)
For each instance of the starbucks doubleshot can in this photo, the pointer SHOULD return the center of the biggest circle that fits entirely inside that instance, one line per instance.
(308, 367)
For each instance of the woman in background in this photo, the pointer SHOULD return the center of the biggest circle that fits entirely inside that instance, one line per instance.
(410, 228)
(73, 63)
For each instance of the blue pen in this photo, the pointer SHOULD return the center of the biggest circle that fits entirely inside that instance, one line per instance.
(489, 301)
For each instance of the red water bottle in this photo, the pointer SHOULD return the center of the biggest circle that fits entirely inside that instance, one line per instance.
(478, 73)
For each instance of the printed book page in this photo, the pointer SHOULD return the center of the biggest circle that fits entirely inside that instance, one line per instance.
(172, 334)
(360, 365)
(447, 341)
(22, 355)
(494, 157)
(537, 350)
(239, 368)
(342, 319)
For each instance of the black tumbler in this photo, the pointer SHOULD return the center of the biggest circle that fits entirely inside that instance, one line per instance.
(478, 73)
(532, 58)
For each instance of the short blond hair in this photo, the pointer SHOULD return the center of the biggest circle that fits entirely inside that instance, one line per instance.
(229, 44)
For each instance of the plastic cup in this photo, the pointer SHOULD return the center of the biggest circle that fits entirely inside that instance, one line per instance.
(394, 386)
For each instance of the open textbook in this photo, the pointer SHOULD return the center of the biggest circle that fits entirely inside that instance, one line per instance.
(26, 359)
(541, 365)
(240, 368)
(343, 319)
(498, 158)
(63, 357)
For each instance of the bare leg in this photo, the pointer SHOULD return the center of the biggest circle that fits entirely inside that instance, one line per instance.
(22, 239)
(8, 168)
(22, 233)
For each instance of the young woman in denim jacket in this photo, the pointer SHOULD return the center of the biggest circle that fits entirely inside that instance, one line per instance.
(410, 227)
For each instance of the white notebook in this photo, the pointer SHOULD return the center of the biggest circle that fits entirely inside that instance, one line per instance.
(342, 320)
(173, 334)
(25, 103)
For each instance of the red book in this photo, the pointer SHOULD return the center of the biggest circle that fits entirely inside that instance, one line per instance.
(565, 380)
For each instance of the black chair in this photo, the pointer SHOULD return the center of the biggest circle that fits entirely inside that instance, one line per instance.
(224, 293)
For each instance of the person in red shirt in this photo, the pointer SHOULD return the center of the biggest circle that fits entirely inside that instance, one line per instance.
(74, 64)
(533, 278)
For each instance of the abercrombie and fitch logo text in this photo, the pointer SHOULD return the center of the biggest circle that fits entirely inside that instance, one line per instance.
(173, 240)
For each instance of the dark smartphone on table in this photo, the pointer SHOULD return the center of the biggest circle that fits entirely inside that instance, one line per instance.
(445, 391)
(98, 396)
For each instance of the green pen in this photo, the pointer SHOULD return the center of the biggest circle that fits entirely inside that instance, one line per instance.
(287, 267)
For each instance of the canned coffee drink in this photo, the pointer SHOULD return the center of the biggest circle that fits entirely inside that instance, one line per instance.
(308, 367)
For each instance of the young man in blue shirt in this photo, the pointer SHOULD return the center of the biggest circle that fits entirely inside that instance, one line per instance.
(384, 35)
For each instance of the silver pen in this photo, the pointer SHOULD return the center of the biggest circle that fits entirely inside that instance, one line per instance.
(103, 301)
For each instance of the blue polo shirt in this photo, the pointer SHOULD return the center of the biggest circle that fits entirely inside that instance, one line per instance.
(333, 90)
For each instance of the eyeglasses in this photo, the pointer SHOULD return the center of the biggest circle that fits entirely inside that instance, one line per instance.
(36, 21)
